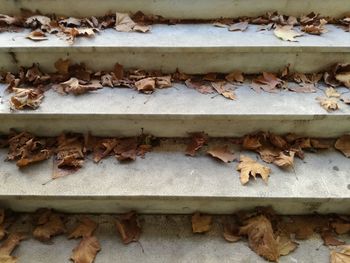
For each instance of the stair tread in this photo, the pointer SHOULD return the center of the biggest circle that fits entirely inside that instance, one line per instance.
(161, 237)
(181, 38)
(168, 173)
(180, 101)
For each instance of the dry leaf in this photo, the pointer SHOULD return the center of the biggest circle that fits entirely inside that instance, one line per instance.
(26, 98)
(126, 149)
(86, 251)
(201, 223)
(222, 153)
(285, 159)
(7, 247)
(199, 86)
(267, 82)
(241, 26)
(261, 237)
(341, 228)
(9, 20)
(235, 76)
(248, 167)
(329, 239)
(303, 88)
(251, 142)
(329, 104)
(86, 228)
(37, 35)
(128, 227)
(146, 85)
(225, 89)
(286, 33)
(343, 145)
(231, 231)
(342, 256)
(49, 225)
(198, 139)
(123, 23)
(316, 29)
(62, 66)
(285, 245)
(77, 87)
(331, 92)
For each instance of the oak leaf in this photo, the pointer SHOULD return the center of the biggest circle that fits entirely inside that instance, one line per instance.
(343, 145)
(86, 251)
(286, 33)
(128, 227)
(285, 159)
(201, 223)
(222, 153)
(85, 228)
(248, 167)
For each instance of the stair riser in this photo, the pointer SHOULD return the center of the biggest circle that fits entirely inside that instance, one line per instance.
(176, 205)
(176, 126)
(222, 60)
(196, 9)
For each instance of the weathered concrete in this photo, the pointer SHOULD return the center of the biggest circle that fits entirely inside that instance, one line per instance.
(167, 181)
(199, 48)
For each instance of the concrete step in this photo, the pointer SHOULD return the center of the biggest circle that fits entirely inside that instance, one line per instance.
(198, 9)
(169, 182)
(164, 239)
(175, 111)
(193, 48)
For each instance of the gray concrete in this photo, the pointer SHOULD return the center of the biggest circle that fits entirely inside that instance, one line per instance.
(200, 9)
(191, 48)
(164, 239)
(167, 181)
(176, 111)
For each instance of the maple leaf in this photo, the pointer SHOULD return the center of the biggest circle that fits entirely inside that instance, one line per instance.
(201, 223)
(198, 139)
(222, 153)
(6, 248)
(343, 145)
(77, 87)
(37, 35)
(342, 256)
(49, 224)
(85, 228)
(86, 251)
(329, 104)
(123, 23)
(241, 26)
(285, 159)
(286, 33)
(248, 167)
(267, 82)
(251, 142)
(26, 98)
(128, 227)
(278, 141)
(329, 239)
(225, 89)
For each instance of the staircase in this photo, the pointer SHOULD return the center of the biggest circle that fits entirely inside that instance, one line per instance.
(167, 181)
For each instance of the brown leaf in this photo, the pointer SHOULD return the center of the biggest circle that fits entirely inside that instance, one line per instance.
(9, 20)
(146, 85)
(77, 87)
(303, 88)
(199, 86)
(222, 153)
(198, 139)
(201, 223)
(49, 225)
(86, 228)
(316, 29)
(126, 149)
(235, 76)
(340, 257)
(26, 98)
(261, 237)
(123, 23)
(248, 167)
(37, 35)
(332, 93)
(103, 148)
(251, 142)
(231, 231)
(7, 247)
(341, 228)
(267, 82)
(268, 153)
(38, 20)
(285, 160)
(128, 227)
(329, 104)
(343, 145)
(86, 251)
(163, 82)
(241, 26)
(225, 89)
(278, 141)
(285, 245)
(286, 33)
(2, 226)
(329, 239)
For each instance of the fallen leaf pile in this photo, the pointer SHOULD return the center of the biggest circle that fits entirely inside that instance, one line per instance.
(269, 235)
(68, 28)
(28, 85)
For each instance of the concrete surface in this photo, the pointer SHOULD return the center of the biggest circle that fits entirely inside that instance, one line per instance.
(179, 8)
(176, 111)
(164, 239)
(167, 181)
(200, 48)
